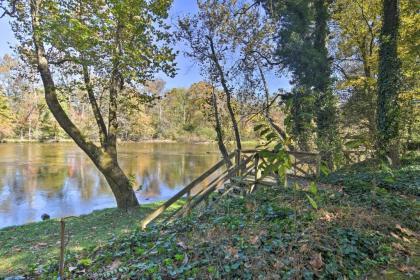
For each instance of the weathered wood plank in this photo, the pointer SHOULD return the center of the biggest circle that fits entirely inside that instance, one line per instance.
(182, 192)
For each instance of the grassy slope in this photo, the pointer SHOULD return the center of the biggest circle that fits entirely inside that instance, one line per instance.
(271, 234)
(23, 248)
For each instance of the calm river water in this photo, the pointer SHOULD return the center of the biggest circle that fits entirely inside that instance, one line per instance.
(59, 179)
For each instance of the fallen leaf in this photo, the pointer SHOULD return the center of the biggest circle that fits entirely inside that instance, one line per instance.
(316, 261)
(406, 269)
(278, 265)
(182, 245)
(304, 248)
(233, 251)
(250, 206)
(115, 264)
(254, 240)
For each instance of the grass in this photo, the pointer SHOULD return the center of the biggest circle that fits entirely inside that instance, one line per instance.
(274, 233)
(24, 248)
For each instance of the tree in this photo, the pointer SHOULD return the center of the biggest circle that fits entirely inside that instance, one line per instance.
(301, 48)
(356, 30)
(357, 27)
(388, 111)
(6, 118)
(211, 35)
(118, 43)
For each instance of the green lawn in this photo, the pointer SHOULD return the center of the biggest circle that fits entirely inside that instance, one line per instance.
(24, 248)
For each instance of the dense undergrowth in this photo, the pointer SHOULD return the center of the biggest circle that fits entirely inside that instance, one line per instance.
(370, 174)
(274, 233)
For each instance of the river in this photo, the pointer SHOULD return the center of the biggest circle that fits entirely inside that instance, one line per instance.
(60, 180)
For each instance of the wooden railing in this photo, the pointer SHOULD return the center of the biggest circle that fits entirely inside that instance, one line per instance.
(247, 164)
(304, 164)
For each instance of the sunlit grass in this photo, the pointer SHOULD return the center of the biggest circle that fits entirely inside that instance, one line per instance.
(24, 247)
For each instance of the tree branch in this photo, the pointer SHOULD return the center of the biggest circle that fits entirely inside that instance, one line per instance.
(50, 89)
(103, 134)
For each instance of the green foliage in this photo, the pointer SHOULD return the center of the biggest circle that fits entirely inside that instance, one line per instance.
(299, 121)
(255, 237)
(359, 177)
(86, 262)
(275, 158)
(301, 47)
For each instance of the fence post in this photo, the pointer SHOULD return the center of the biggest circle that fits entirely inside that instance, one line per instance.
(62, 248)
(256, 175)
(318, 166)
(238, 161)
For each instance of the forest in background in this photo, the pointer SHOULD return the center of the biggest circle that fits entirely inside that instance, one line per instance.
(179, 114)
(353, 66)
(184, 114)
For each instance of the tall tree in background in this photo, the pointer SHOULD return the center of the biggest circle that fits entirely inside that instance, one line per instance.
(301, 49)
(388, 111)
(326, 116)
(356, 30)
(119, 43)
(211, 36)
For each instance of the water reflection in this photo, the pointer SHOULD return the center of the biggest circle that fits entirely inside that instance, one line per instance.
(60, 180)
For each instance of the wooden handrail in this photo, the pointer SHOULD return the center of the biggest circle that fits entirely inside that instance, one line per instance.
(250, 151)
(203, 193)
(182, 192)
(212, 188)
(238, 169)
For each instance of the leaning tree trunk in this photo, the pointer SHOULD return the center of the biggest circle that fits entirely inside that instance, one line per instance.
(388, 111)
(104, 158)
(219, 133)
(119, 183)
(228, 95)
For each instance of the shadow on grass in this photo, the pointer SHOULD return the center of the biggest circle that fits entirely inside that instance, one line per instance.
(23, 248)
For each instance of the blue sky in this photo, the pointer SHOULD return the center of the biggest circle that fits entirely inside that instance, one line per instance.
(188, 71)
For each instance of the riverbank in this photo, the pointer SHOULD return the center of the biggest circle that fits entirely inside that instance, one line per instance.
(250, 143)
(24, 248)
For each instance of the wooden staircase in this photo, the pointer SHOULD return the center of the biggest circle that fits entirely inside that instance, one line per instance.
(239, 179)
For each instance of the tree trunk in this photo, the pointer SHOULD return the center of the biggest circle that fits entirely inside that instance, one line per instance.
(388, 111)
(228, 95)
(119, 183)
(219, 132)
(105, 160)
(326, 111)
(266, 113)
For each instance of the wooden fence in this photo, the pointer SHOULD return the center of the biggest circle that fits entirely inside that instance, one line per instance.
(245, 171)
